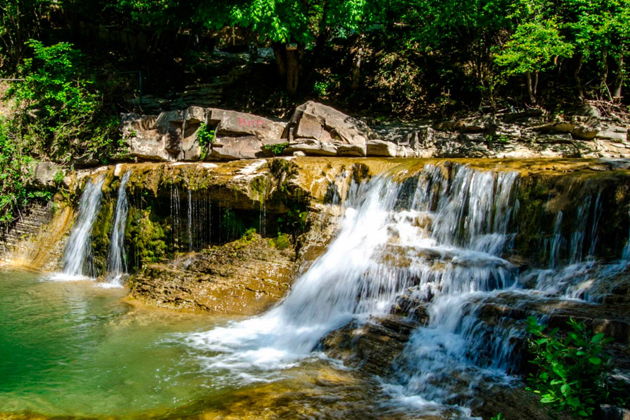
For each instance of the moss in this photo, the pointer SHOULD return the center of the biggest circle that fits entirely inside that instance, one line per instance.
(146, 237)
(542, 197)
(282, 241)
(101, 234)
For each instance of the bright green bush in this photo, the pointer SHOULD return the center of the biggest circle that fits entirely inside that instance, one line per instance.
(570, 370)
(205, 136)
(59, 111)
(15, 176)
(275, 149)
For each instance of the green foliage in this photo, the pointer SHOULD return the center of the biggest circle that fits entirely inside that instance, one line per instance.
(14, 176)
(249, 235)
(569, 369)
(205, 136)
(321, 88)
(20, 20)
(534, 47)
(146, 236)
(58, 108)
(275, 149)
(499, 416)
(294, 221)
(290, 21)
(58, 178)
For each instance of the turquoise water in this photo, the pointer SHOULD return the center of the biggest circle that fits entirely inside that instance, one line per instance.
(76, 349)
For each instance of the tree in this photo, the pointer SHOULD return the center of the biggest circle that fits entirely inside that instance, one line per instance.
(55, 102)
(20, 20)
(290, 26)
(535, 46)
(599, 30)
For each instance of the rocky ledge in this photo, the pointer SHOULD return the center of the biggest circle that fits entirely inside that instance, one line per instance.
(211, 134)
(243, 277)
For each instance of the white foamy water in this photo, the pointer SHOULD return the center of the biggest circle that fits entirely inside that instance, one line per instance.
(443, 244)
(76, 264)
(116, 267)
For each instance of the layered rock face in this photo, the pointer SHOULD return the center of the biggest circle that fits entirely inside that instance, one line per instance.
(320, 130)
(243, 277)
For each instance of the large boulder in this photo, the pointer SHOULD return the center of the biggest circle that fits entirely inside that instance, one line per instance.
(318, 129)
(237, 124)
(172, 135)
(169, 136)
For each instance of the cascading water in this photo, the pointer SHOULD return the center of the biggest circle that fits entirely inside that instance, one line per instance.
(116, 266)
(443, 245)
(77, 252)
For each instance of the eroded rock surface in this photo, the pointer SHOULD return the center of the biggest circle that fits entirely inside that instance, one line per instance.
(243, 277)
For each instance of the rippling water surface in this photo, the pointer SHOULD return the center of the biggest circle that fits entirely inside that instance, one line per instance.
(76, 349)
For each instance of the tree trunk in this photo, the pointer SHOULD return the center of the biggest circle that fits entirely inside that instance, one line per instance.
(293, 69)
(288, 64)
(604, 80)
(530, 88)
(617, 94)
(356, 69)
(281, 59)
(576, 76)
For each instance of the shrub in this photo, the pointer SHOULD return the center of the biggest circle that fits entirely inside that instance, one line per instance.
(15, 176)
(570, 369)
(275, 149)
(59, 109)
(205, 136)
(282, 241)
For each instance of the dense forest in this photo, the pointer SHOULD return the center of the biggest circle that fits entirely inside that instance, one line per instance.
(70, 67)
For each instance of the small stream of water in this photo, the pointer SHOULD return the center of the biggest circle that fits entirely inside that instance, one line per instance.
(116, 266)
(76, 259)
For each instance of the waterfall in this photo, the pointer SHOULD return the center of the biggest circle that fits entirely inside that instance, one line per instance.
(355, 277)
(116, 266)
(78, 249)
(444, 246)
(190, 221)
(554, 243)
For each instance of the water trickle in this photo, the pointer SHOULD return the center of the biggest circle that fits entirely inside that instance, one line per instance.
(190, 221)
(77, 253)
(556, 240)
(116, 265)
(625, 252)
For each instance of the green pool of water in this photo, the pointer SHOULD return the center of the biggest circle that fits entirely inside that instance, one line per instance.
(76, 349)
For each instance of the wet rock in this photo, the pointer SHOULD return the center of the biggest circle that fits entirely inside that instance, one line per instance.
(609, 412)
(244, 277)
(514, 403)
(372, 346)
